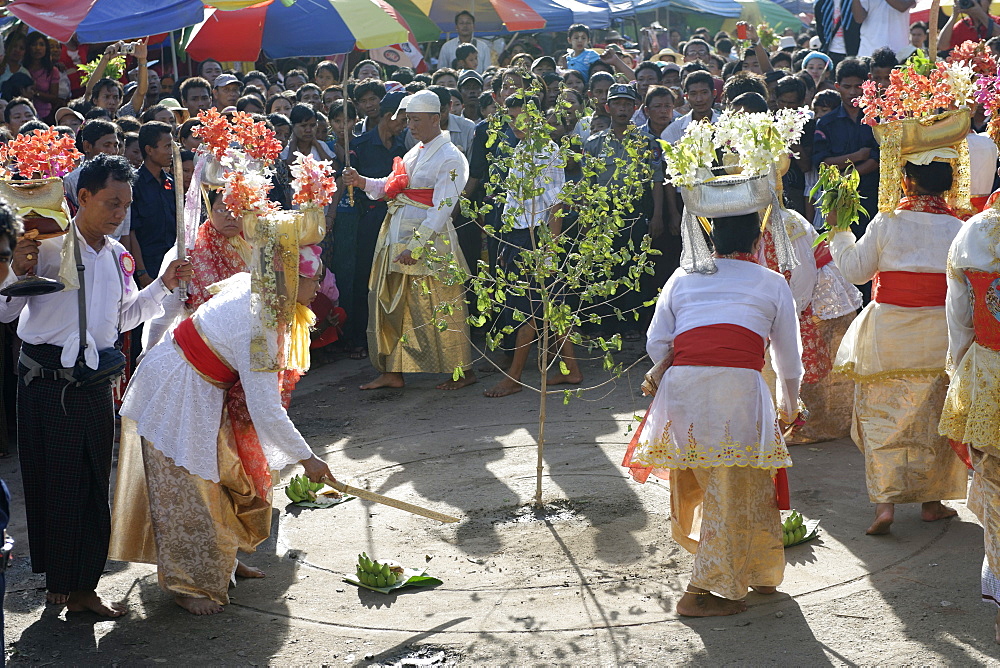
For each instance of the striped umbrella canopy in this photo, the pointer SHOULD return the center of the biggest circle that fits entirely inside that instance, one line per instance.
(305, 28)
(492, 16)
(106, 20)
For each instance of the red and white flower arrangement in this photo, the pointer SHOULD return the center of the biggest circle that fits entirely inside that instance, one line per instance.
(313, 182)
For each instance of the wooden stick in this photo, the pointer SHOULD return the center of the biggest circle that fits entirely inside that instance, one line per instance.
(180, 241)
(932, 44)
(347, 158)
(389, 501)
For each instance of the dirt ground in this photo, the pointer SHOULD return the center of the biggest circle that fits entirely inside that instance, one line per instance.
(592, 580)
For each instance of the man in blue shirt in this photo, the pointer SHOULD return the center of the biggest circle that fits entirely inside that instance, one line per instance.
(372, 154)
(841, 139)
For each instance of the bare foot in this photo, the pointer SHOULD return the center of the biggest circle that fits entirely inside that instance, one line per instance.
(84, 601)
(885, 513)
(571, 379)
(503, 363)
(56, 599)
(705, 604)
(504, 388)
(468, 379)
(933, 511)
(244, 571)
(198, 606)
(765, 590)
(385, 380)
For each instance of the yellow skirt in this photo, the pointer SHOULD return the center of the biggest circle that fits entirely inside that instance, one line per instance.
(191, 528)
(728, 518)
(984, 500)
(972, 408)
(896, 427)
(405, 314)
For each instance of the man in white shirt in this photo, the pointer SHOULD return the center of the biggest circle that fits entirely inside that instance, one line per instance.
(982, 168)
(883, 23)
(699, 91)
(65, 428)
(465, 26)
(404, 332)
(525, 213)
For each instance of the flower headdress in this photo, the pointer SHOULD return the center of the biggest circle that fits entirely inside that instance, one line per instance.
(752, 143)
(922, 116)
(43, 154)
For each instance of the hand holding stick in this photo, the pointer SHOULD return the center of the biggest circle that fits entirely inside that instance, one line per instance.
(180, 243)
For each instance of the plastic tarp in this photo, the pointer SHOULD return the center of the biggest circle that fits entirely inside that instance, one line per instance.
(106, 20)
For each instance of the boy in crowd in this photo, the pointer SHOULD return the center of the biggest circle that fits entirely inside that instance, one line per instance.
(579, 56)
(466, 57)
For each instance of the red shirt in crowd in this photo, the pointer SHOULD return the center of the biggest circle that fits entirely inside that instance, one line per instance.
(968, 30)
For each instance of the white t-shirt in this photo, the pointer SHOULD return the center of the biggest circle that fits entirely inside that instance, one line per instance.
(884, 26)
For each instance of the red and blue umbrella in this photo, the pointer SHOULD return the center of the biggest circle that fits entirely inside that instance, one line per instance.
(106, 20)
(304, 28)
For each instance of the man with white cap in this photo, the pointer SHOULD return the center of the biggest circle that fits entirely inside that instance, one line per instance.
(405, 299)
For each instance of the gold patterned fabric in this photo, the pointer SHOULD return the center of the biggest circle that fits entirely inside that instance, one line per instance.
(728, 518)
(972, 408)
(984, 501)
(831, 400)
(895, 426)
(404, 306)
(189, 527)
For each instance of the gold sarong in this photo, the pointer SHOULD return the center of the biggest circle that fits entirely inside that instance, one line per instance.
(831, 400)
(728, 518)
(406, 304)
(896, 427)
(191, 528)
(984, 500)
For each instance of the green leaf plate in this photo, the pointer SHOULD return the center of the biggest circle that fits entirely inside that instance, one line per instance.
(324, 501)
(812, 530)
(411, 578)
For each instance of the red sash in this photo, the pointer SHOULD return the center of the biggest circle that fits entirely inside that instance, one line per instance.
(984, 295)
(196, 351)
(719, 345)
(980, 203)
(399, 182)
(909, 288)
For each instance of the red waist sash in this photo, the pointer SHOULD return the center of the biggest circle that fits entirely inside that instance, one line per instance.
(985, 307)
(197, 352)
(909, 288)
(719, 345)
(399, 184)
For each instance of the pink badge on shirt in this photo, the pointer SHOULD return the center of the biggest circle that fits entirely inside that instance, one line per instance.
(127, 263)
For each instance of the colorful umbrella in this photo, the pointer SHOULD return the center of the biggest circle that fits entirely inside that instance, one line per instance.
(106, 20)
(306, 28)
(492, 16)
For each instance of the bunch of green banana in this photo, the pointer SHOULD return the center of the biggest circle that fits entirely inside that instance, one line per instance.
(840, 197)
(300, 489)
(374, 574)
(793, 530)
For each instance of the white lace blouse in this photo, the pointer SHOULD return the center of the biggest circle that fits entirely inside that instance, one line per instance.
(179, 412)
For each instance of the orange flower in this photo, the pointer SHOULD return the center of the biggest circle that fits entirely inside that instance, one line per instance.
(39, 155)
(215, 131)
(259, 141)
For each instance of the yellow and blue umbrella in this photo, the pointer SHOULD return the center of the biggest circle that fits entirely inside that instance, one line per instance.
(303, 28)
